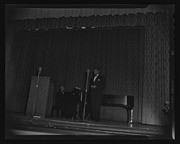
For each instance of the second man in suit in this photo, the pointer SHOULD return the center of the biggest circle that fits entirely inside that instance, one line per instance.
(97, 85)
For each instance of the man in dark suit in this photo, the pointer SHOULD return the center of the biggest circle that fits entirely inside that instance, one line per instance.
(59, 102)
(97, 85)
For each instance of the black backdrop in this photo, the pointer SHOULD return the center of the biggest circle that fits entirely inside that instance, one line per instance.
(64, 55)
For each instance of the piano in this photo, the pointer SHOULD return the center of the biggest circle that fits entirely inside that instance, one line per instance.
(126, 102)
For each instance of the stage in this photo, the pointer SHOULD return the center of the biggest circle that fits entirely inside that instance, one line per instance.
(20, 126)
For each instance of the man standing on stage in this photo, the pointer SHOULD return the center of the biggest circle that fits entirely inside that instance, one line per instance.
(59, 98)
(97, 85)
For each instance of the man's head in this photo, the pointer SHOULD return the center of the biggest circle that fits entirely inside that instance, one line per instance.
(96, 71)
(62, 88)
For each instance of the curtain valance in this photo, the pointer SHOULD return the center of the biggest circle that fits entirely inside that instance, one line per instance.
(139, 19)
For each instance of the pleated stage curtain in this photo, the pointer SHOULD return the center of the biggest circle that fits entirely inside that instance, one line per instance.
(66, 54)
(134, 60)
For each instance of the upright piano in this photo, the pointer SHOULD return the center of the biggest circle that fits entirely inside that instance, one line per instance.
(126, 102)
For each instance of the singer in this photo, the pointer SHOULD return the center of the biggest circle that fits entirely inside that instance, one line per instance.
(97, 85)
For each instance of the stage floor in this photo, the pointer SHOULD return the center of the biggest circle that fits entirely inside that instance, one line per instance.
(20, 125)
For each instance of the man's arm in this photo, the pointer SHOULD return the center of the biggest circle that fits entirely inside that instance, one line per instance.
(100, 83)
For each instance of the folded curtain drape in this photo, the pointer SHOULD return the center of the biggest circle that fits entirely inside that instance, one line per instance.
(64, 55)
(156, 56)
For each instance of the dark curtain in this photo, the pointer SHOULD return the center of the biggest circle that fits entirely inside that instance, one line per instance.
(155, 70)
(64, 55)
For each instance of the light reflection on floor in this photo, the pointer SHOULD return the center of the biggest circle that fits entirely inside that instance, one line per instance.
(58, 132)
(25, 132)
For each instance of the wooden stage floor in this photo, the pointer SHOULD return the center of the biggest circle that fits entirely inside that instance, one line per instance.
(18, 126)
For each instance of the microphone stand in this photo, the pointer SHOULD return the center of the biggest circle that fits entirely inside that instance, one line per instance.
(37, 86)
(86, 88)
(78, 107)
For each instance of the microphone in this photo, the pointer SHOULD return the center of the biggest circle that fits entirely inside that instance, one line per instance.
(88, 71)
(40, 69)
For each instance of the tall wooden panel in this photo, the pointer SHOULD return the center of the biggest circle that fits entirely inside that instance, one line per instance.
(40, 97)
